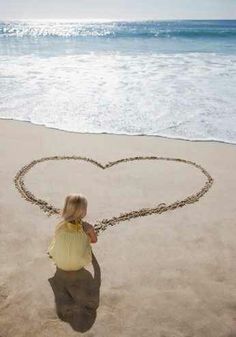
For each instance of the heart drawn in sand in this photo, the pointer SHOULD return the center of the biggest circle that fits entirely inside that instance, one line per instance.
(102, 224)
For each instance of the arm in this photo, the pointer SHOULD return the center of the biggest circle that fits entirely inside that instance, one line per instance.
(89, 230)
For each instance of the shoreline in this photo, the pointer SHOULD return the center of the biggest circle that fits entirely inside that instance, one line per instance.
(121, 134)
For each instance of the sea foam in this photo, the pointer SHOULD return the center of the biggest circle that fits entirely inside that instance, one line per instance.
(122, 87)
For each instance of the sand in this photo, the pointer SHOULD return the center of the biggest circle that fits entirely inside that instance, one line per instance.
(166, 275)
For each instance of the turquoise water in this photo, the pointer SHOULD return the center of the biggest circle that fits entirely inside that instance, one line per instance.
(174, 79)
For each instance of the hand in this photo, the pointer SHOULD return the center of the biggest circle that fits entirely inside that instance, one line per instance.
(89, 230)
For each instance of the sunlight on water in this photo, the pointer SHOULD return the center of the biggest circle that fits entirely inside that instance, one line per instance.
(69, 75)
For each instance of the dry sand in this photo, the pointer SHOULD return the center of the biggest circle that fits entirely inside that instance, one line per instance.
(168, 275)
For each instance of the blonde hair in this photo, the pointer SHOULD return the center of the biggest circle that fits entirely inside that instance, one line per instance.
(74, 207)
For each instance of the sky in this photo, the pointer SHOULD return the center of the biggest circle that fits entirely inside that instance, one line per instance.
(118, 9)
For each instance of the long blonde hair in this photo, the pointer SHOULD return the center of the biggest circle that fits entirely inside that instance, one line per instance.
(75, 207)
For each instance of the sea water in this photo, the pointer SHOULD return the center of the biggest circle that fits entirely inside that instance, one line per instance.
(167, 78)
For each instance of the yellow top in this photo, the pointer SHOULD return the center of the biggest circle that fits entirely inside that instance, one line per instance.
(70, 247)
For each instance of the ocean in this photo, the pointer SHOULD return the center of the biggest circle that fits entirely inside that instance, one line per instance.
(169, 78)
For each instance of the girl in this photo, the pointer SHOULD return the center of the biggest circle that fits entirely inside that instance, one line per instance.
(70, 247)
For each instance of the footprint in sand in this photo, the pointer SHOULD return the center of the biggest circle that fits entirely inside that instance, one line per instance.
(3, 293)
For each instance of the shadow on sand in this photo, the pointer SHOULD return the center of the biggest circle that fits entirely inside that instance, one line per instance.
(77, 296)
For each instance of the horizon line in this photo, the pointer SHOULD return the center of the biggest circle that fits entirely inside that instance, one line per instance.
(113, 20)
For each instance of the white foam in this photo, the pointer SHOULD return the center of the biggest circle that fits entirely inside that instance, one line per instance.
(190, 96)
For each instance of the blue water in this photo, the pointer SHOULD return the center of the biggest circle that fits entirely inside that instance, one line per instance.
(169, 78)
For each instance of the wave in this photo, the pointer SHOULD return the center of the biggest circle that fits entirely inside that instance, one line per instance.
(152, 29)
(189, 96)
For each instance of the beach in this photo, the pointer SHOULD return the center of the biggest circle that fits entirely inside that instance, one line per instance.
(164, 275)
